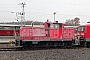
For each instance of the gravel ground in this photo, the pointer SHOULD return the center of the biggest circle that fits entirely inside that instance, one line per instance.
(48, 54)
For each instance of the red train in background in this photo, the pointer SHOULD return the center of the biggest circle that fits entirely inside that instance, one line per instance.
(83, 34)
(9, 31)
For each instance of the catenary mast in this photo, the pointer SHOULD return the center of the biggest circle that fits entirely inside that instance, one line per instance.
(22, 13)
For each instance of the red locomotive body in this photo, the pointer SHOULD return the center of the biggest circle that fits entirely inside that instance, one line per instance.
(68, 33)
(40, 33)
(54, 34)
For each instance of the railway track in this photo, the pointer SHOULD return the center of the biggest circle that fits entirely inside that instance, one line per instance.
(43, 48)
(7, 49)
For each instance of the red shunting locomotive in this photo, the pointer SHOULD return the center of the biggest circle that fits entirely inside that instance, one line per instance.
(51, 34)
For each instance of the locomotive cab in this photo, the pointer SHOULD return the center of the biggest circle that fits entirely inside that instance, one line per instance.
(56, 30)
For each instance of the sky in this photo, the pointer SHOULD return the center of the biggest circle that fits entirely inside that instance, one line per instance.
(41, 10)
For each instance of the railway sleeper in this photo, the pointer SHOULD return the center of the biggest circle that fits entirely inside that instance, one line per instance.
(6, 45)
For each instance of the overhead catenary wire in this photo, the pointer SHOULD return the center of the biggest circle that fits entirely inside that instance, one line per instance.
(43, 14)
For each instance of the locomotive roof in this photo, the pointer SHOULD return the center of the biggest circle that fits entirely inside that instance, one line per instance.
(57, 23)
(86, 24)
(70, 26)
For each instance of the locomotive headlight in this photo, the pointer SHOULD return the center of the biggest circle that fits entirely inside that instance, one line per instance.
(82, 33)
(75, 34)
(11, 41)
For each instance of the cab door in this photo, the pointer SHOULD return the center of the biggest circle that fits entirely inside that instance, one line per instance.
(54, 31)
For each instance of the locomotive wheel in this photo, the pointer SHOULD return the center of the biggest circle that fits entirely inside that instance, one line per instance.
(83, 44)
(88, 44)
(67, 44)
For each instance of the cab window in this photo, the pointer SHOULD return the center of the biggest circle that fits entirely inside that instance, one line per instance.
(55, 26)
(81, 28)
